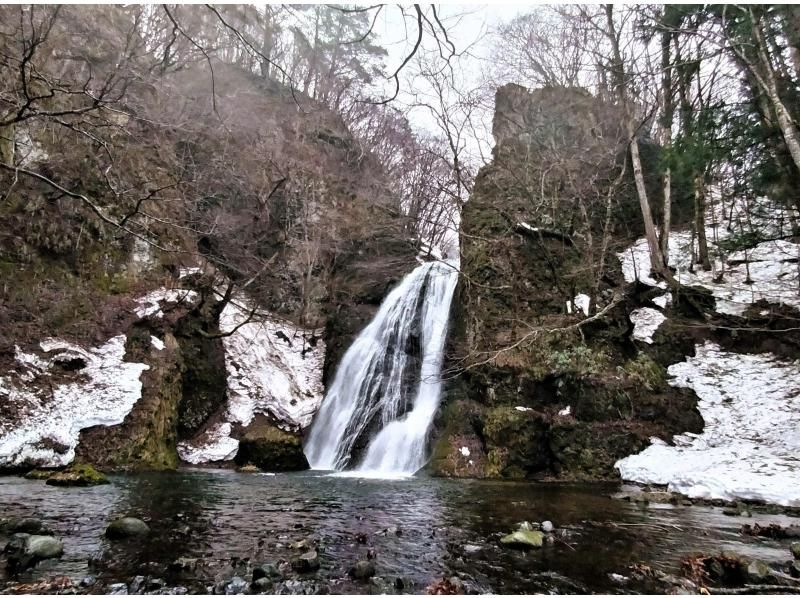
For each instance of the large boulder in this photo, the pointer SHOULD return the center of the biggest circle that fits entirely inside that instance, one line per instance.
(127, 527)
(271, 449)
(25, 550)
(78, 474)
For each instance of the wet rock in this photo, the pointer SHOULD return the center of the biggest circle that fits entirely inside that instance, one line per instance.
(794, 569)
(547, 527)
(618, 579)
(403, 584)
(25, 550)
(88, 581)
(306, 562)
(528, 526)
(249, 468)
(152, 585)
(28, 525)
(265, 570)
(472, 548)
(127, 527)
(118, 589)
(795, 548)
(237, 585)
(183, 564)
(38, 474)
(262, 585)
(136, 586)
(362, 570)
(758, 571)
(523, 538)
(77, 475)
(302, 545)
(648, 496)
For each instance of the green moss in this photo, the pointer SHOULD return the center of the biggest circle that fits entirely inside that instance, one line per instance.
(77, 474)
(645, 372)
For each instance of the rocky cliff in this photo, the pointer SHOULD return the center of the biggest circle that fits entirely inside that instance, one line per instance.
(127, 352)
(536, 388)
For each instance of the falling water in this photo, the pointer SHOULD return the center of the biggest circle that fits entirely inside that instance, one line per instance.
(388, 383)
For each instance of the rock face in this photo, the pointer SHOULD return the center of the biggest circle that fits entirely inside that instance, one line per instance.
(530, 402)
(271, 449)
(142, 372)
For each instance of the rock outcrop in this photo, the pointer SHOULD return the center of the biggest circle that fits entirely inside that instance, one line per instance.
(538, 392)
(138, 359)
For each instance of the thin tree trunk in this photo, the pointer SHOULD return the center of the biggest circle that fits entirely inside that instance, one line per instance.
(666, 138)
(700, 222)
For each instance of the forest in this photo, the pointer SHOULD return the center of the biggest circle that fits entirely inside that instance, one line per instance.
(399, 299)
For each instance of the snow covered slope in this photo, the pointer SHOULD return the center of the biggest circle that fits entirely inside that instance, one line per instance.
(274, 368)
(750, 446)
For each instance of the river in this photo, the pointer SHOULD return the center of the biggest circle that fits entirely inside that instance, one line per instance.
(231, 521)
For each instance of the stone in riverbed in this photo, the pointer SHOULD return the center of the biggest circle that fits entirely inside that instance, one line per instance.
(118, 589)
(127, 527)
(795, 548)
(547, 527)
(262, 585)
(306, 562)
(25, 550)
(362, 570)
(28, 525)
(265, 570)
(523, 538)
(758, 571)
(249, 468)
(794, 569)
(77, 475)
(236, 586)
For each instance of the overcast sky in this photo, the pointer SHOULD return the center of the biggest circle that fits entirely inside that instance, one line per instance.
(469, 27)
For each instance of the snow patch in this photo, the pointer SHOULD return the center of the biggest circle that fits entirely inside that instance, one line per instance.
(581, 302)
(56, 396)
(523, 409)
(751, 440)
(274, 368)
(150, 304)
(566, 410)
(772, 265)
(157, 343)
(646, 321)
(464, 451)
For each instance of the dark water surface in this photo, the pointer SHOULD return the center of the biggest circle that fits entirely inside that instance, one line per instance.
(449, 527)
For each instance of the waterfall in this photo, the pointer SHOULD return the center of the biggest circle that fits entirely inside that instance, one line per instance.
(386, 389)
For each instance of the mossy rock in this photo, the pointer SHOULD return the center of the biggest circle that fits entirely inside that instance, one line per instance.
(517, 442)
(523, 538)
(80, 474)
(39, 474)
(461, 428)
(271, 449)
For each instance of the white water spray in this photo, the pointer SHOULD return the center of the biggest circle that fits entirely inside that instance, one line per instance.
(381, 385)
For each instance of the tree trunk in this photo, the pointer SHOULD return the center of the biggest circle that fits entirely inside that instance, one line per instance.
(700, 222)
(666, 138)
(770, 86)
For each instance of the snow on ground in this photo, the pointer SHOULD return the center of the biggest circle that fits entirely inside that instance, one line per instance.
(773, 271)
(772, 265)
(750, 445)
(55, 396)
(273, 369)
(646, 321)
